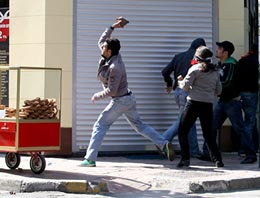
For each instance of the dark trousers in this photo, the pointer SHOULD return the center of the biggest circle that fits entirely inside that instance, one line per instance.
(233, 110)
(192, 111)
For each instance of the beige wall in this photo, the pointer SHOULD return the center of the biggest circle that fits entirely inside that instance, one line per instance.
(232, 26)
(41, 35)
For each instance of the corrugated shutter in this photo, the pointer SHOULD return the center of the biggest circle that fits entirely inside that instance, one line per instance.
(158, 29)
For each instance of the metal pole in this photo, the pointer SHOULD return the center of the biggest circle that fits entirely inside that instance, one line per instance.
(257, 38)
(258, 125)
(258, 119)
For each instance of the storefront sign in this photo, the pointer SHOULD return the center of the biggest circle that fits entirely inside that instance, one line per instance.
(4, 54)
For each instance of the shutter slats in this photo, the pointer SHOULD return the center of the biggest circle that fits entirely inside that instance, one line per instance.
(158, 29)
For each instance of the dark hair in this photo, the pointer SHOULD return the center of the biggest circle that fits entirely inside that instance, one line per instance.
(204, 53)
(227, 46)
(114, 45)
(203, 56)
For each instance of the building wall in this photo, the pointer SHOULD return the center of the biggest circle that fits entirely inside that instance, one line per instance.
(58, 49)
(232, 26)
(41, 35)
(158, 30)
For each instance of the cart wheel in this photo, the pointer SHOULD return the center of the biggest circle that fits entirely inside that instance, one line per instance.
(37, 163)
(12, 160)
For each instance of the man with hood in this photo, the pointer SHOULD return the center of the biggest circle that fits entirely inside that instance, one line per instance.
(180, 65)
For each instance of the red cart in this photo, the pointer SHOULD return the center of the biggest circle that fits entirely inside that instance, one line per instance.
(39, 130)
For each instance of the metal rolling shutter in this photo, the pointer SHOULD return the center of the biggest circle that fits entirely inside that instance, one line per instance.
(158, 29)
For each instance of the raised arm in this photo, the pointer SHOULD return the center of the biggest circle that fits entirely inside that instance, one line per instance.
(120, 23)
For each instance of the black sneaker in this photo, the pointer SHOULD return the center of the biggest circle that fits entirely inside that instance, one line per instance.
(205, 158)
(219, 164)
(249, 160)
(183, 164)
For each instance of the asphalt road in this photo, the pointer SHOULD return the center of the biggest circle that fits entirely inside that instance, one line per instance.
(166, 193)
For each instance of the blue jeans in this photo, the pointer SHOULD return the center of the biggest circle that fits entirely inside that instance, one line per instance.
(249, 106)
(125, 105)
(233, 110)
(172, 131)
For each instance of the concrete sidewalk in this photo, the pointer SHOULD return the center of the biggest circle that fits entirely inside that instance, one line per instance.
(133, 173)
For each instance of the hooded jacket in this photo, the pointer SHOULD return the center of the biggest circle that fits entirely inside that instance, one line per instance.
(181, 63)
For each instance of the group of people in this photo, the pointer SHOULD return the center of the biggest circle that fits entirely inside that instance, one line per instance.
(197, 84)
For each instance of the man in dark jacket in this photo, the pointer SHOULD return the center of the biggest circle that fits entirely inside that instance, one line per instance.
(180, 65)
(229, 104)
(248, 68)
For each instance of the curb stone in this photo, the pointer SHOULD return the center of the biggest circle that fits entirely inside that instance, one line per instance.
(16, 185)
(35, 185)
(95, 187)
(247, 183)
(225, 185)
(66, 186)
(82, 187)
(209, 186)
(10, 185)
(72, 186)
